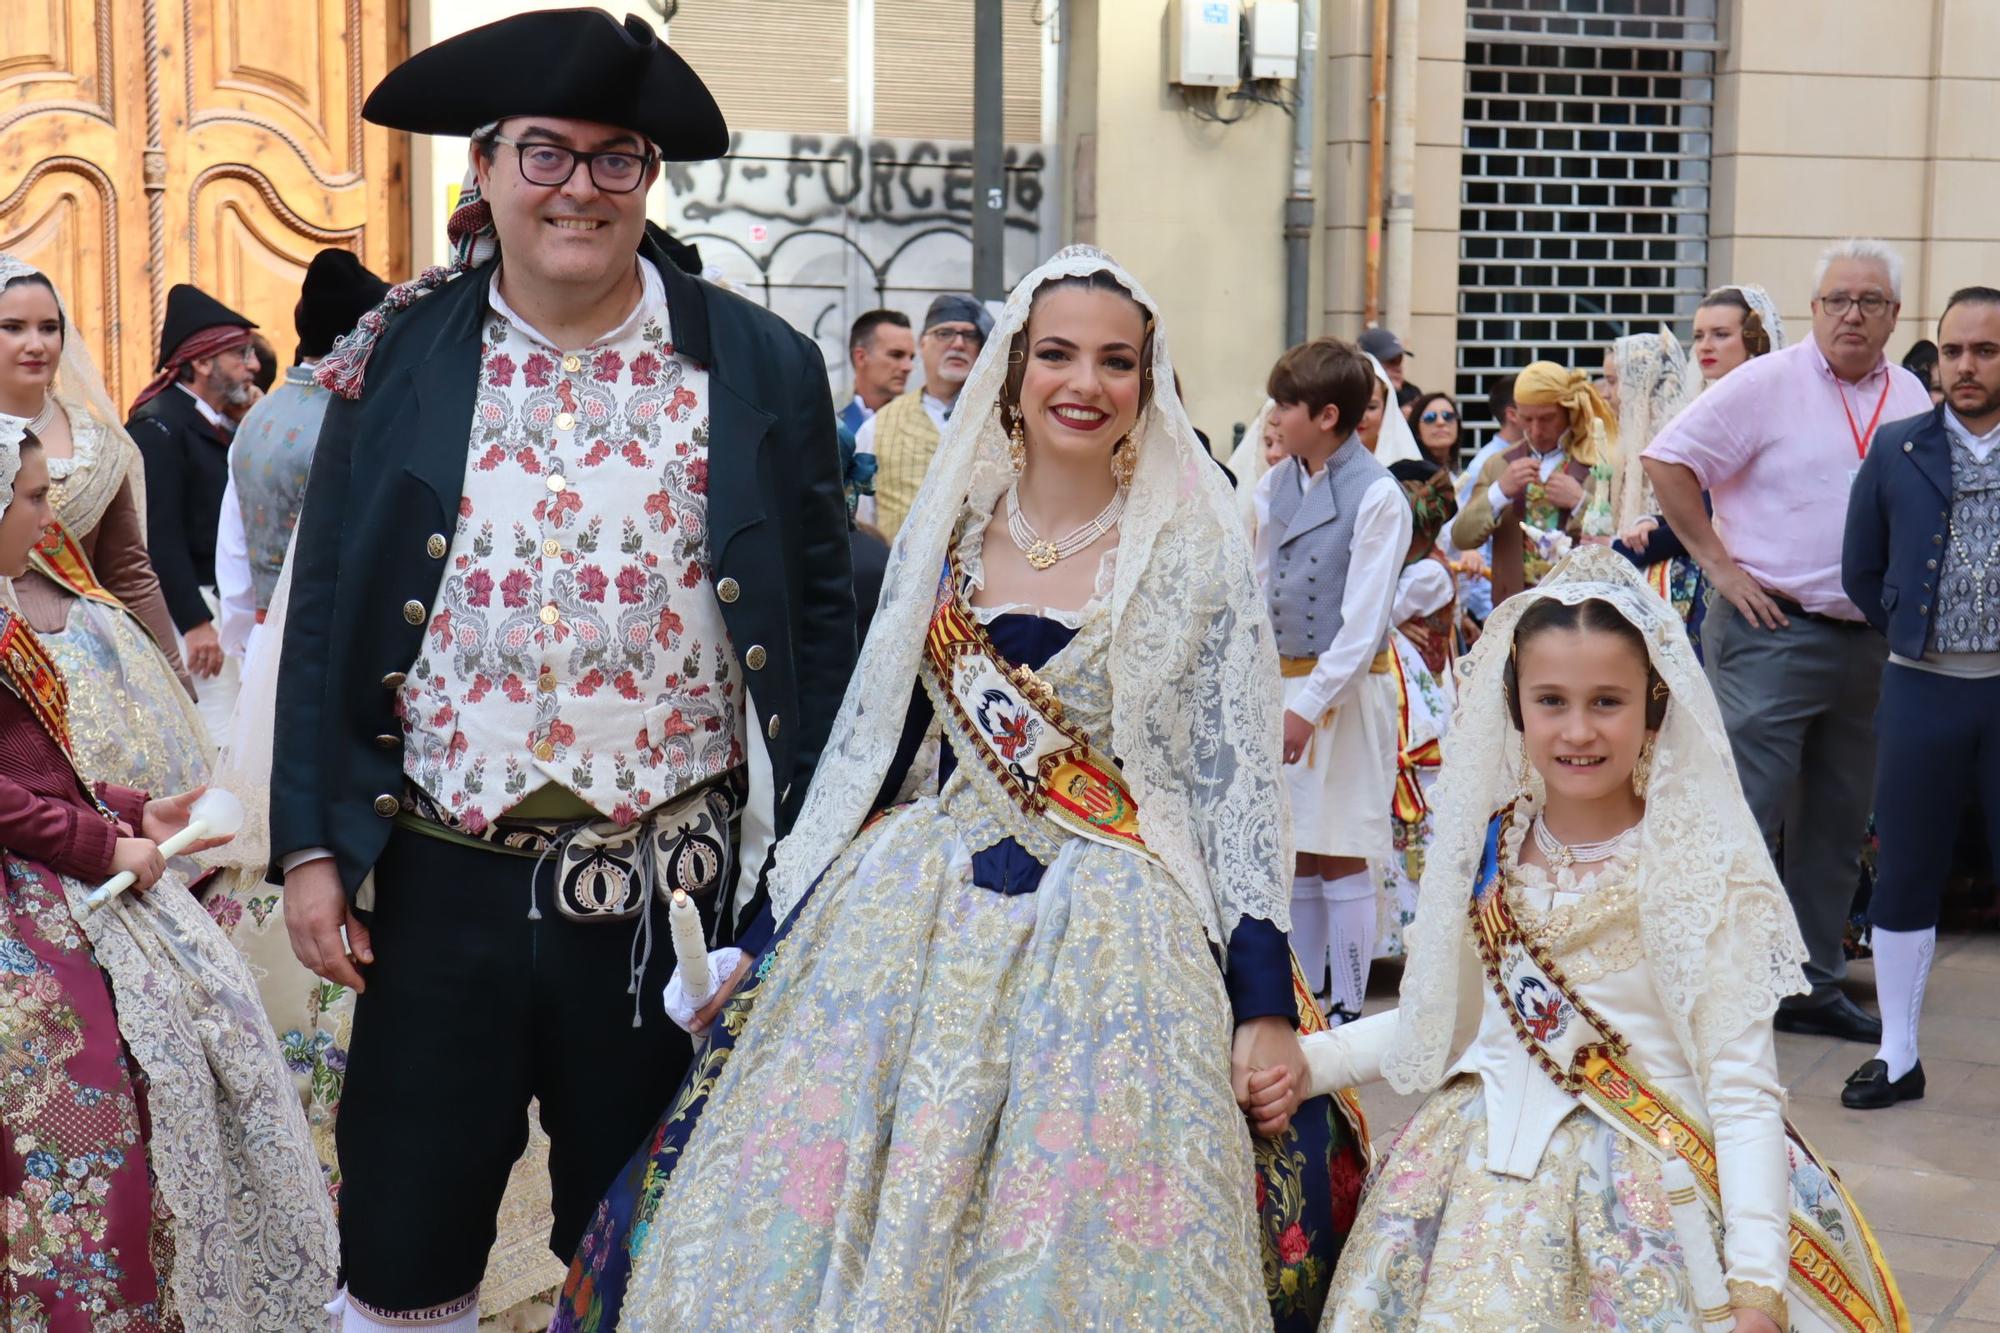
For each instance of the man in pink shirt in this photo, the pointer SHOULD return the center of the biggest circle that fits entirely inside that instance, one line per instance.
(1796, 669)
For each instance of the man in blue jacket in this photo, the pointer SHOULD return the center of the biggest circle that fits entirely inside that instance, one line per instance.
(1922, 561)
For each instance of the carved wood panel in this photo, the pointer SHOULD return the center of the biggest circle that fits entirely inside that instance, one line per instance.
(219, 142)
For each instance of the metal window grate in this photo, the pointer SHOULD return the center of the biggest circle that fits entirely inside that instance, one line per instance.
(1585, 185)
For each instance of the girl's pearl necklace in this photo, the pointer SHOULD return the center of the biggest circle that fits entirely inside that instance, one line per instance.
(1562, 855)
(1042, 552)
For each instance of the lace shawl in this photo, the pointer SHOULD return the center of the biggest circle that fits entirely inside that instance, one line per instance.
(1196, 705)
(1652, 388)
(1718, 929)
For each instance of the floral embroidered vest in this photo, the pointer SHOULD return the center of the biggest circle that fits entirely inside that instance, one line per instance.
(577, 638)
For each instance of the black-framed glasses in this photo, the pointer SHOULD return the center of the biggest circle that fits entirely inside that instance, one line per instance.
(1872, 305)
(1437, 414)
(948, 334)
(618, 171)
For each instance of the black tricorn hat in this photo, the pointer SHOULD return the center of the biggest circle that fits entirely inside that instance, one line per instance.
(580, 64)
(189, 311)
(336, 293)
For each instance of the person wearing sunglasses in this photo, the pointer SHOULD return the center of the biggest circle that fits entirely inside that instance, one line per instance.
(570, 608)
(904, 434)
(1439, 430)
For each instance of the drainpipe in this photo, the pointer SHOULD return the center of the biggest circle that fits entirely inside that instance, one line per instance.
(1378, 97)
(1402, 212)
(1299, 204)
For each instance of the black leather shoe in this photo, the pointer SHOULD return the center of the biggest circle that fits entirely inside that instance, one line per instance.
(1838, 1017)
(1869, 1088)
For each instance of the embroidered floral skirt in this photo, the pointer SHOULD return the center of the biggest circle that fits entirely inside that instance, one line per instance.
(1443, 1243)
(955, 1108)
(82, 1238)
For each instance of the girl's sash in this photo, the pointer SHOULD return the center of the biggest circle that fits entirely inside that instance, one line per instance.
(1579, 1049)
(58, 556)
(1012, 720)
(32, 674)
(1408, 803)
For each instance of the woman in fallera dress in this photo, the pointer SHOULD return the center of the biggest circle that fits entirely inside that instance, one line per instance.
(154, 1171)
(1599, 948)
(89, 590)
(1002, 1050)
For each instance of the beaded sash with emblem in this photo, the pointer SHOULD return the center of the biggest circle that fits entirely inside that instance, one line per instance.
(1579, 1049)
(29, 671)
(1011, 720)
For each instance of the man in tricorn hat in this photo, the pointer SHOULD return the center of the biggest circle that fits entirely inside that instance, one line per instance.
(570, 618)
(181, 423)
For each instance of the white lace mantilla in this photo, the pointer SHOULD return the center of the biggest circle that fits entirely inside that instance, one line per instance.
(1719, 932)
(1196, 705)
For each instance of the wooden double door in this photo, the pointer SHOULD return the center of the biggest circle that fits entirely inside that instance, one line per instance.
(219, 142)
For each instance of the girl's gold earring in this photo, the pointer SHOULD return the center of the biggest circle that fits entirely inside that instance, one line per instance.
(1642, 772)
(1017, 442)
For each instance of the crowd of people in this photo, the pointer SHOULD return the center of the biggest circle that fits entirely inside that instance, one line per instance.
(921, 864)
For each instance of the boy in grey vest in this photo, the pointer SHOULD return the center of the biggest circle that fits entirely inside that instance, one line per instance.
(1332, 530)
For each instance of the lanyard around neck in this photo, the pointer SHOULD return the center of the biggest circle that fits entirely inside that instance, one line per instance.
(1861, 437)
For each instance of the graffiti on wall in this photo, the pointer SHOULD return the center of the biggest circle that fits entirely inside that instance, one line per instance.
(821, 228)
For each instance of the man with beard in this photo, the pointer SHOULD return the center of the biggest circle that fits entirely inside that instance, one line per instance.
(1922, 561)
(182, 423)
(904, 434)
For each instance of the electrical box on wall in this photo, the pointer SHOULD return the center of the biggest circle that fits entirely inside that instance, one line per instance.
(1204, 43)
(1273, 39)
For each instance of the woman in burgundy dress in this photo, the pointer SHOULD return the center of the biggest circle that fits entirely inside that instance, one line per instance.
(91, 1242)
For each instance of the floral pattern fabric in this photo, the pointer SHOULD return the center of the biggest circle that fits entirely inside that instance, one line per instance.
(1443, 1243)
(953, 1107)
(82, 1234)
(576, 638)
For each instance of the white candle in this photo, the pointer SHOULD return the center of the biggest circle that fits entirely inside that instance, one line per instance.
(1711, 1292)
(690, 949)
(216, 813)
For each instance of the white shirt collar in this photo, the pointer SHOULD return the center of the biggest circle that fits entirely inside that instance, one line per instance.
(215, 418)
(1981, 445)
(652, 302)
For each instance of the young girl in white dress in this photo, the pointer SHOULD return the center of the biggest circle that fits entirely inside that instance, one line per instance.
(1599, 947)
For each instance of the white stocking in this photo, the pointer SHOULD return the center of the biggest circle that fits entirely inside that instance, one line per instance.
(1902, 967)
(1352, 913)
(1310, 939)
(354, 1319)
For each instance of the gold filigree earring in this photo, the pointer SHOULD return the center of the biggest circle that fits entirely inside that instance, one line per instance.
(1124, 461)
(1642, 772)
(1531, 785)
(1017, 442)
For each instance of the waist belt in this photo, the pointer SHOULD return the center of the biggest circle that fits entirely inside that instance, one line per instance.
(1793, 610)
(1291, 668)
(605, 870)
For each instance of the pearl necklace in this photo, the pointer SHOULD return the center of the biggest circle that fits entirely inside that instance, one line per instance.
(1562, 855)
(42, 420)
(1042, 552)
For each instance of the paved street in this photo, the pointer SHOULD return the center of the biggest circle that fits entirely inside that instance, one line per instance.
(1926, 1173)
